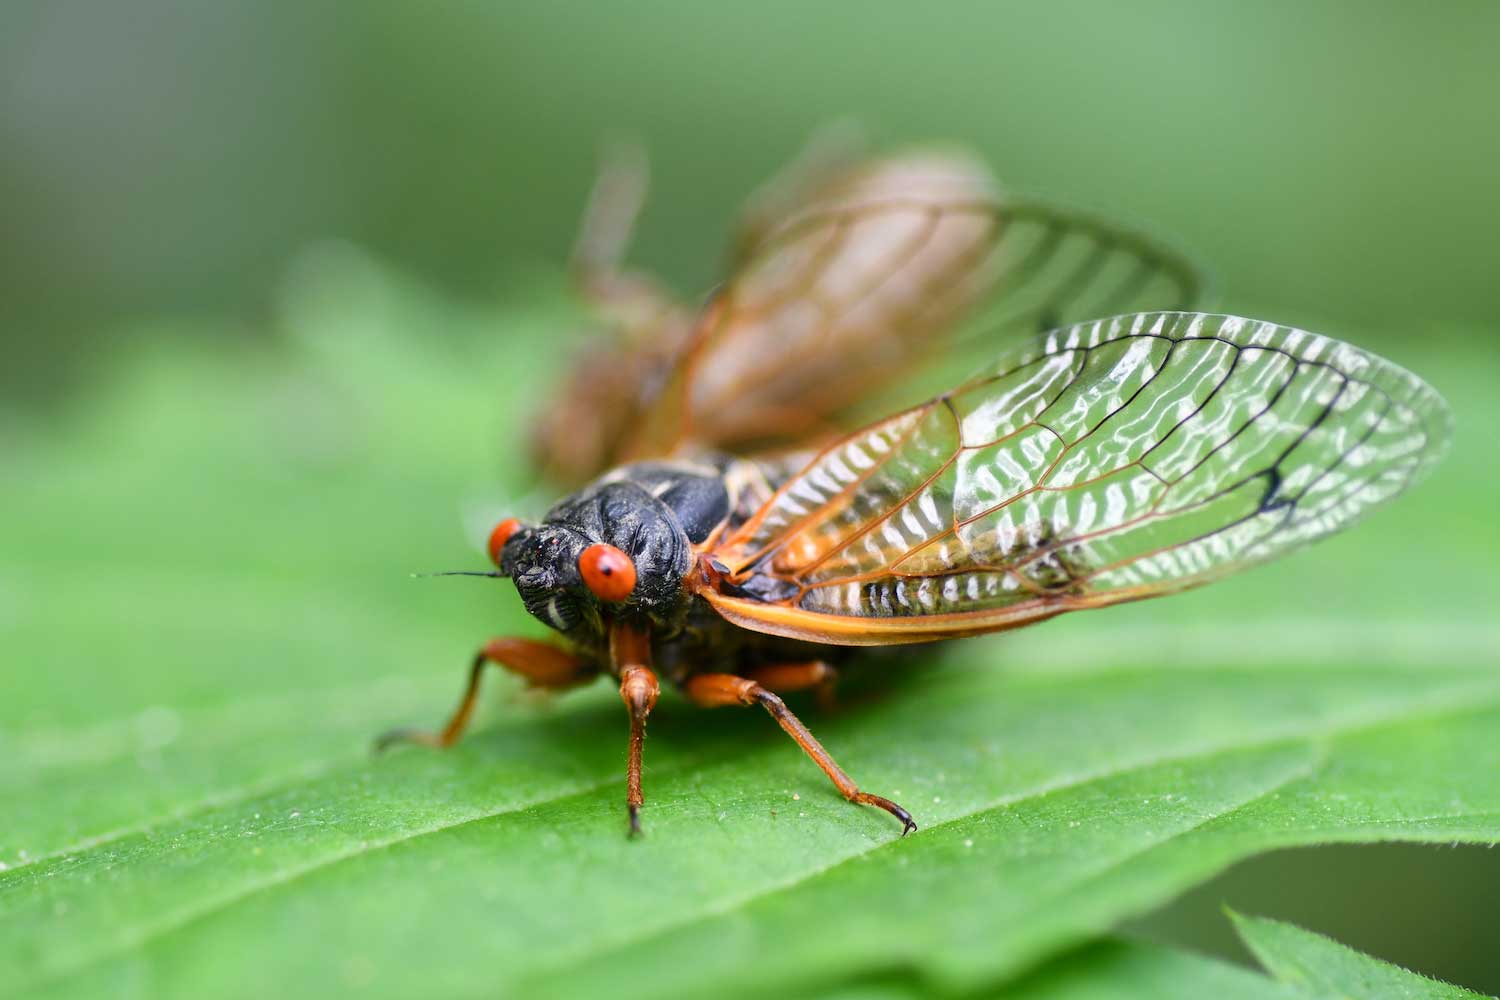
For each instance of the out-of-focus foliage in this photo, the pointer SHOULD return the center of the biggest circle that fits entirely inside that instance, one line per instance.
(1320, 967)
(213, 621)
(1336, 160)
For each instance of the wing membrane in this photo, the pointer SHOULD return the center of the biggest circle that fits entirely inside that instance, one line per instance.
(870, 289)
(1104, 462)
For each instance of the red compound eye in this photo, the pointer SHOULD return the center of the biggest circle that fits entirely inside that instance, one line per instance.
(607, 572)
(500, 536)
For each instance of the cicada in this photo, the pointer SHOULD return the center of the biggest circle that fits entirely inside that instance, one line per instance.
(745, 519)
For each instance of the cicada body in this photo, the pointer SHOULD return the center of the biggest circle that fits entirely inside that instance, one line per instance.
(1085, 465)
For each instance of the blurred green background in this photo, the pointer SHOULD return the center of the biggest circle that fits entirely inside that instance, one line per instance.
(1330, 160)
(163, 164)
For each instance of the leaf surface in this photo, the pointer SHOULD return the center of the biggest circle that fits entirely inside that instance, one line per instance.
(207, 614)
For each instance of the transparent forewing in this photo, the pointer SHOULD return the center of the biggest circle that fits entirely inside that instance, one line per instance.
(872, 289)
(1107, 461)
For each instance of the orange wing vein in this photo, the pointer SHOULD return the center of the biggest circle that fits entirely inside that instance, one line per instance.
(1105, 462)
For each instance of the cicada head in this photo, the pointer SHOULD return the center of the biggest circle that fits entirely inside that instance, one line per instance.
(610, 552)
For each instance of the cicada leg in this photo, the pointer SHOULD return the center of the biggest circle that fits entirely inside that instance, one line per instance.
(812, 675)
(609, 218)
(638, 690)
(715, 690)
(541, 664)
(630, 654)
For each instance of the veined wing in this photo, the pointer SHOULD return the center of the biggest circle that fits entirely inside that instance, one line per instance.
(872, 284)
(1104, 462)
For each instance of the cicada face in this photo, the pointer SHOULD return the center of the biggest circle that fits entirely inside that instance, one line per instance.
(616, 550)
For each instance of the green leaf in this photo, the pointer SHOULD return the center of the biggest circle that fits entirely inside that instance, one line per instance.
(1320, 964)
(1121, 970)
(1106, 970)
(207, 614)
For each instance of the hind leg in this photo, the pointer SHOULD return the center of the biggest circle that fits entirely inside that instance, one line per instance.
(785, 678)
(715, 690)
